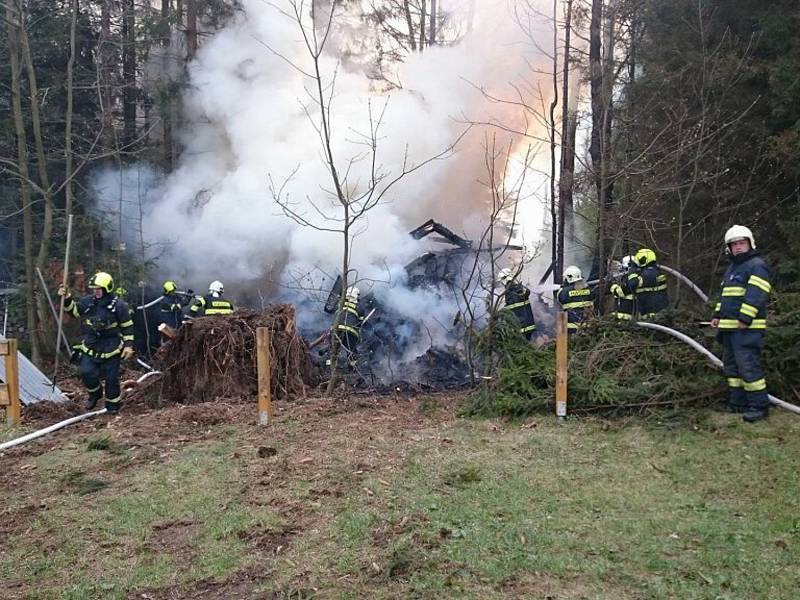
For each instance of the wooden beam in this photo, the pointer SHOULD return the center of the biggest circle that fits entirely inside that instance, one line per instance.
(562, 338)
(264, 376)
(10, 395)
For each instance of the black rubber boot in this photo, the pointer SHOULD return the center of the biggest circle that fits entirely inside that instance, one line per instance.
(112, 407)
(755, 414)
(736, 409)
(90, 403)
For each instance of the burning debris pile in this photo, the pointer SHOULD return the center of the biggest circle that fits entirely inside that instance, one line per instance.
(411, 336)
(215, 357)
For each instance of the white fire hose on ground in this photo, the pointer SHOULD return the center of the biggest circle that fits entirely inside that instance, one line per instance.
(61, 424)
(712, 357)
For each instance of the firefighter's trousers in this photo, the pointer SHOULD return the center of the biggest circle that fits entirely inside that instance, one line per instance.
(94, 370)
(741, 358)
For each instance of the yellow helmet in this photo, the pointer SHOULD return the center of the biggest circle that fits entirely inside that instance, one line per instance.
(644, 257)
(169, 287)
(102, 280)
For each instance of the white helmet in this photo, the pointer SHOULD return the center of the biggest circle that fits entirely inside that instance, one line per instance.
(352, 293)
(626, 262)
(740, 232)
(216, 287)
(505, 275)
(572, 274)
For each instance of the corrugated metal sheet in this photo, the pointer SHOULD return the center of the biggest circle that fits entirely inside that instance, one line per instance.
(34, 386)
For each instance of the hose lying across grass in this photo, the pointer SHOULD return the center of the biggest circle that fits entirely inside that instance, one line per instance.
(61, 424)
(712, 357)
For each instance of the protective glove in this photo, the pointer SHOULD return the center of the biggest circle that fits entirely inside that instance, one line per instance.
(128, 352)
(62, 291)
(617, 291)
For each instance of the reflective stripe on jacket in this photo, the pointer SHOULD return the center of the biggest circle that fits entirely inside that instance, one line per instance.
(577, 301)
(649, 284)
(517, 298)
(211, 305)
(106, 324)
(745, 293)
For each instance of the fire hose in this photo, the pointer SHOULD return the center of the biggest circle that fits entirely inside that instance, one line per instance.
(712, 357)
(159, 299)
(70, 421)
(46, 430)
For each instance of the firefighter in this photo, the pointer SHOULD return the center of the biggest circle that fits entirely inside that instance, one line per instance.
(576, 298)
(107, 329)
(348, 326)
(212, 303)
(517, 300)
(624, 304)
(171, 305)
(741, 319)
(648, 283)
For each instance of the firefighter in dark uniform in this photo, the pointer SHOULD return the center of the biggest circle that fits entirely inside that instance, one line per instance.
(171, 305)
(212, 303)
(348, 328)
(576, 298)
(741, 320)
(648, 284)
(624, 300)
(517, 300)
(107, 329)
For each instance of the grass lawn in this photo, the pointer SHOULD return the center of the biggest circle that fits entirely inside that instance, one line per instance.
(377, 498)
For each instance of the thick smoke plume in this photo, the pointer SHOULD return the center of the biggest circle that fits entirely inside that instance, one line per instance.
(250, 125)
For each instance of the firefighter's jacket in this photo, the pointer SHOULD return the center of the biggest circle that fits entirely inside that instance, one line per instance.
(649, 284)
(205, 306)
(745, 292)
(106, 324)
(517, 298)
(624, 299)
(350, 319)
(577, 301)
(172, 309)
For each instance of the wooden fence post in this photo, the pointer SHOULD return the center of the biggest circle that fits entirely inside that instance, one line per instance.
(562, 338)
(9, 390)
(264, 376)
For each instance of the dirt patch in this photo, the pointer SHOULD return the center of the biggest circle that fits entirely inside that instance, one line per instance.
(241, 586)
(268, 541)
(18, 519)
(202, 415)
(51, 412)
(174, 538)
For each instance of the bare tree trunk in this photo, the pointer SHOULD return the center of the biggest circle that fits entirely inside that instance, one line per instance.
(412, 38)
(41, 158)
(432, 36)
(596, 146)
(606, 178)
(68, 190)
(166, 103)
(422, 13)
(22, 158)
(631, 111)
(191, 29)
(44, 176)
(553, 106)
(568, 130)
(104, 84)
(128, 73)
